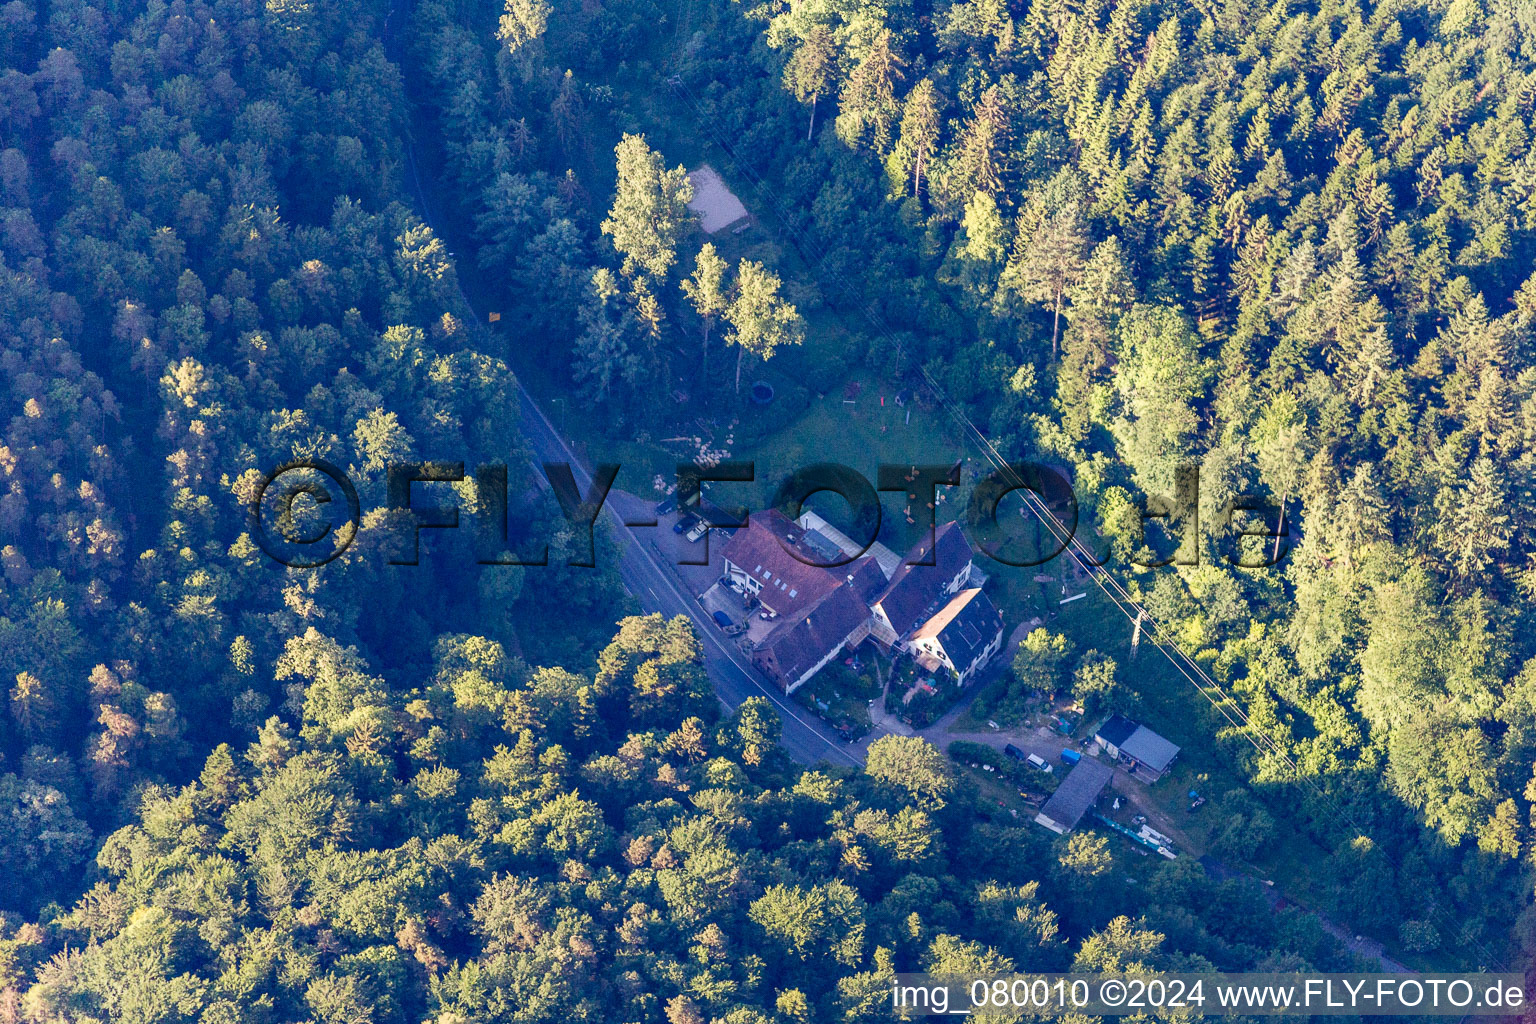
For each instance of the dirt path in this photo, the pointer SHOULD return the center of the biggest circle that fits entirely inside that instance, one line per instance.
(878, 716)
(1048, 744)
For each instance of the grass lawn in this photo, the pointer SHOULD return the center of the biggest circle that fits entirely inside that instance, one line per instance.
(1170, 704)
(809, 422)
(996, 796)
(859, 435)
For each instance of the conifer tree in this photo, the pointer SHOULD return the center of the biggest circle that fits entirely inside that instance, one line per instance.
(812, 70)
(921, 127)
(867, 107)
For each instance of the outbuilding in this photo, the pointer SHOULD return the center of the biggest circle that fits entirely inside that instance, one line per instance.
(1076, 795)
(1145, 754)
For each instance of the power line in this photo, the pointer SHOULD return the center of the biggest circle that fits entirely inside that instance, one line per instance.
(1187, 667)
(803, 244)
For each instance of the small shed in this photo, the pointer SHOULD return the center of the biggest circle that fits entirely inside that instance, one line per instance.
(1147, 754)
(1149, 751)
(1114, 731)
(1075, 796)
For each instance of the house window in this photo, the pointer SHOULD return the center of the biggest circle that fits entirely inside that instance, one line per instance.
(767, 575)
(792, 593)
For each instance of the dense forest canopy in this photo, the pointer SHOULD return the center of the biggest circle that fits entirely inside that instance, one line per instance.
(1292, 242)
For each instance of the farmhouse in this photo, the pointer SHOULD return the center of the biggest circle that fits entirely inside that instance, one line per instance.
(1146, 754)
(916, 589)
(758, 560)
(798, 648)
(820, 611)
(1076, 795)
(962, 636)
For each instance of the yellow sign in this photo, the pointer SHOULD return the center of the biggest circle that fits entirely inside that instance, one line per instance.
(495, 317)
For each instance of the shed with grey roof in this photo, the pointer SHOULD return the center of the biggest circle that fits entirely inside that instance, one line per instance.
(1149, 750)
(1146, 754)
(1076, 795)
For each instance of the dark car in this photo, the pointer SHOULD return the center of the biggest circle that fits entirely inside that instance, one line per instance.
(683, 524)
(723, 620)
(666, 505)
(1014, 752)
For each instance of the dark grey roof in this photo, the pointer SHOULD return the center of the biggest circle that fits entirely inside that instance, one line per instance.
(964, 627)
(915, 589)
(1116, 730)
(825, 547)
(1150, 749)
(866, 578)
(800, 642)
(1077, 792)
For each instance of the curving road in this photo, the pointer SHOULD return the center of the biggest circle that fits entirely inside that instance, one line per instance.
(805, 739)
(653, 584)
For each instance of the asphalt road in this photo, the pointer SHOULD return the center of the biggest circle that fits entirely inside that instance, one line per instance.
(646, 576)
(805, 739)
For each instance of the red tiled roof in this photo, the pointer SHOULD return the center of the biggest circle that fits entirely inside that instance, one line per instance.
(799, 643)
(757, 550)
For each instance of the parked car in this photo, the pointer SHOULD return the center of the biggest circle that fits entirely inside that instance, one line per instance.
(1014, 752)
(684, 524)
(1071, 756)
(700, 528)
(1039, 763)
(723, 620)
(666, 505)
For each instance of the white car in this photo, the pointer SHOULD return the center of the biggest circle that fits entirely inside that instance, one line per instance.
(1039, 763)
